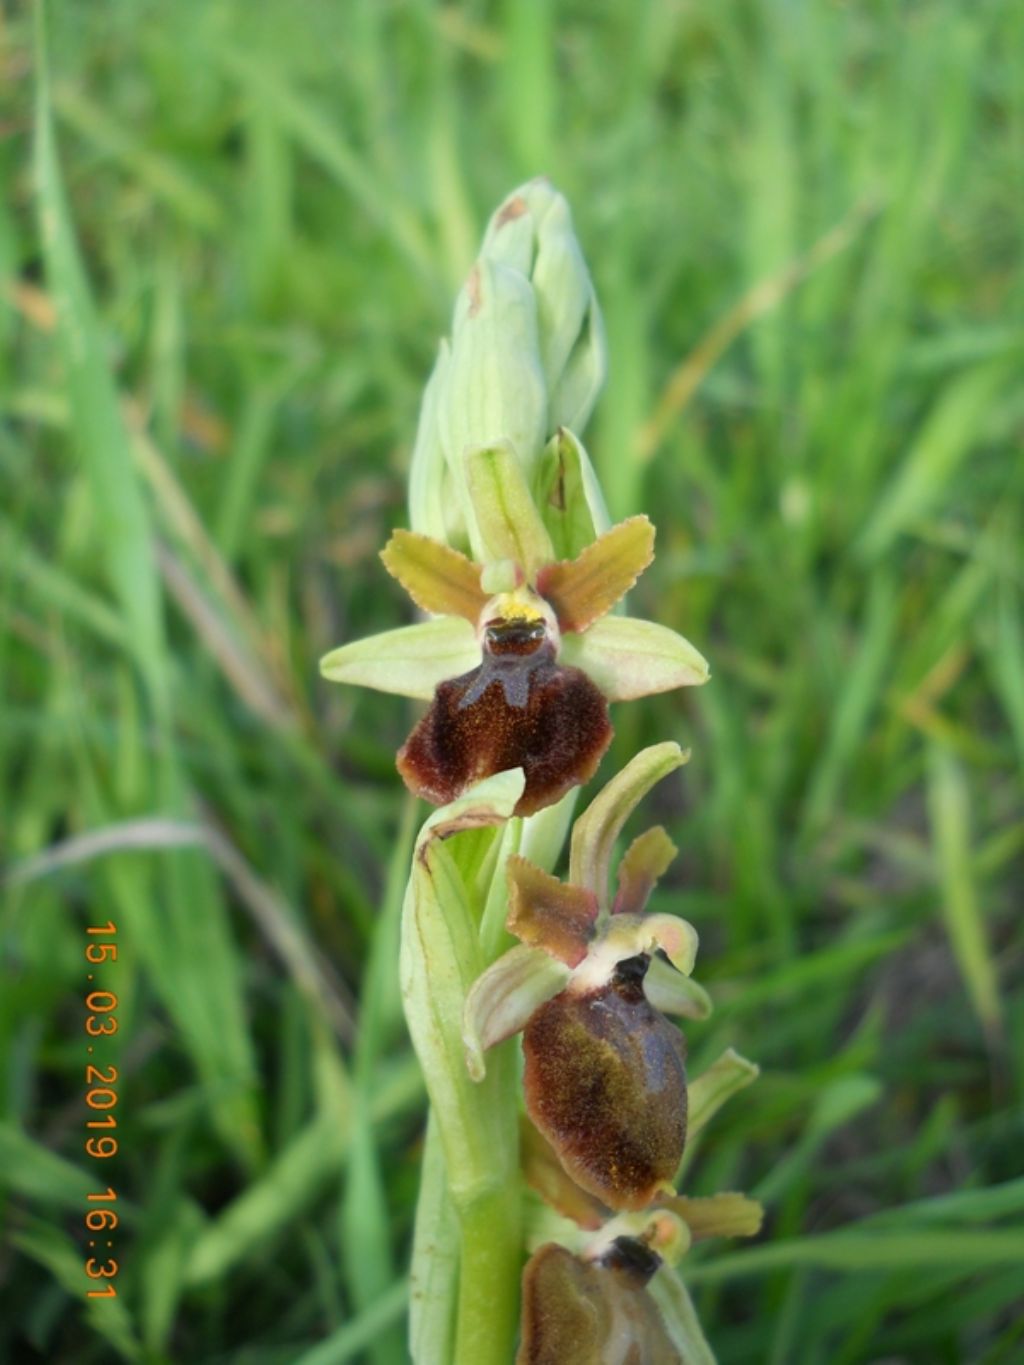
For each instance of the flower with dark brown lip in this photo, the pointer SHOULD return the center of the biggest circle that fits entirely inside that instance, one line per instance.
(593, 1310)
(523, 656)
(605, 1074)
(519, 708)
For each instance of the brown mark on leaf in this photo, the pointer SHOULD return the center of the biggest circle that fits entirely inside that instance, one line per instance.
(606, 1084)
(556, 497)
(473, 289)
(577, 1312)
(477, 818)
(511, 209)
(518, 709)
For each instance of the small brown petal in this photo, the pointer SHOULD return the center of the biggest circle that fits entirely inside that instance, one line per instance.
(577, 1312)
(718, 1215)
(436, 577)
(583, 589)
(642, 865)
(606, 1084)
(547, 913)
(517, 710)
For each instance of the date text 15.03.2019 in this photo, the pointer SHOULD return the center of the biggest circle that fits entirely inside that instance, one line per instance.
(101, 1098)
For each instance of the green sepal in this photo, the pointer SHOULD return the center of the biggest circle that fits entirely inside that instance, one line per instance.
(569, 496)
(495, 389)
(565, 295)
(508, 524)
(595, 832)
(509, 235)
(429, 477)
(409, 661)
(629, 658)
(680, 1317)
(723, 1079)
(580, 383)
(503, 998)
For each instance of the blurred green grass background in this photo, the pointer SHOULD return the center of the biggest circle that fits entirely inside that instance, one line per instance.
(805, 224)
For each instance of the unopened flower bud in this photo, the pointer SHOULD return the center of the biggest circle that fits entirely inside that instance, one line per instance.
(527, 358)
(533, 232)
(495, 390)
(431, 502)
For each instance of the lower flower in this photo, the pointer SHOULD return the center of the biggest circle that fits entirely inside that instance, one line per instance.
(605, 1078)
(580, 1311)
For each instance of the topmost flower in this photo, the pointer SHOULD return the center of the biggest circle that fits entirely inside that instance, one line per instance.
(523, 655)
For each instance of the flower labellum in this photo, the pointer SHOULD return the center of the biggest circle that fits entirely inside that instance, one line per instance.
(606, 1084)
(518, 708)
(593, 1312)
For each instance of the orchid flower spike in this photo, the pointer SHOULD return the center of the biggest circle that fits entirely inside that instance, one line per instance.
(522, 655)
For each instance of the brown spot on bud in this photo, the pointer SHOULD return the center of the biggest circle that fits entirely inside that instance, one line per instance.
(577, 1312)
(473, 289)
(519, 709)
(511, 209)
(606, 1085)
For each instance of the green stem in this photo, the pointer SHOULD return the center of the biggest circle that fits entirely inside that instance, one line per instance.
(478, 1123)
(489, 1209)
(491, 1260)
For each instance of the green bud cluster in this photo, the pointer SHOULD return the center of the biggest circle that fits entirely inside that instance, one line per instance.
(527, 359)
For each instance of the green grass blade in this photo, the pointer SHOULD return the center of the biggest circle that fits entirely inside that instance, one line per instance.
(949, 808)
